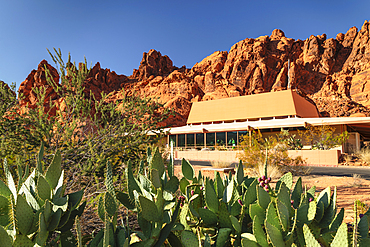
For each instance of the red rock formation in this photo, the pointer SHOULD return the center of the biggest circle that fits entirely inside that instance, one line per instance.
(333, 73)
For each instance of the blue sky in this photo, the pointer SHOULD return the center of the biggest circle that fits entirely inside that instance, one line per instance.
(116, 33)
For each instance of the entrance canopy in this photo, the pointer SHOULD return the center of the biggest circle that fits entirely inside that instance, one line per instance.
(359, 124)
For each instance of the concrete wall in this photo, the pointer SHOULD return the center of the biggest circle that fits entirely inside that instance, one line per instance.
(317, 157)
(312, 157)
(227, 156)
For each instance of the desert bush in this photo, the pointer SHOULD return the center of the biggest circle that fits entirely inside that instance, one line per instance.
(220, 164)
(89, 130)
(364, 155)
(322, 137)
(256, 149)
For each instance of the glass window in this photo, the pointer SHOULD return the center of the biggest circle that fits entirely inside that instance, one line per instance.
(173, 139)
(210, 138)
(190, 140)
(241, 136)
(181, 140)
(221, 138)
(200, 139)
(232, 139)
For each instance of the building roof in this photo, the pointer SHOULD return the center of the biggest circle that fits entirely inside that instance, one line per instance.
(265, 105)
(355, 122)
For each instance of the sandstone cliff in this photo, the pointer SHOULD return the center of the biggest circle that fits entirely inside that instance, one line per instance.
(333, 73)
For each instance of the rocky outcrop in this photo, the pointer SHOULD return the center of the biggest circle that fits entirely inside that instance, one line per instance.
(333, 73)
(153, 64)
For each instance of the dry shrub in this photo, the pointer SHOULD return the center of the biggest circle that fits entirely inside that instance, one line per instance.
(220, 164)
(273, 171)
(356, 182)
(364, 155)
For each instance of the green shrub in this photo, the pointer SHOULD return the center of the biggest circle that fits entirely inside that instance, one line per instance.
(91, 128)
(255, 148)
(323, 137)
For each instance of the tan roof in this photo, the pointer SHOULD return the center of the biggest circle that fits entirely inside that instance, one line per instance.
(273, 104)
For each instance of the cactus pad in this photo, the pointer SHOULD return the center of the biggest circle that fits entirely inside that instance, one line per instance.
(272, 217)
(132, 183)
(54, 171)
(287, 179)
(24, 215)
(297, 193)
(109, 179)
(223, 216)
(110, 203)
(155, 178)
(274, 234)
(240, 173)
(172, 185)
(309, 237)
(283, 214)
(251, 194)
(22, 241)
(4, 211)
(222, 237)
(125, 200)
(263, 198)
(211, 197)
(341, 237)
(187, 169)
(236, 224)
(4, 190)
(156, 162)
(54, 221)
(43, 188)
(189, 239)
(6, 241)
(257, 210)
(219, 186)
(259, 233)
(149, 209)
(183, 184)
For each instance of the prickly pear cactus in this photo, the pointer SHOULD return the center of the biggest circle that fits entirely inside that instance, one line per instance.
(37, 205)
(152, 197)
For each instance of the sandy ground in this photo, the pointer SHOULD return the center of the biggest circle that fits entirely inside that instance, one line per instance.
(349, 189)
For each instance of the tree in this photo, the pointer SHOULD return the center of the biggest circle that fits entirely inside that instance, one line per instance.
(86, 129)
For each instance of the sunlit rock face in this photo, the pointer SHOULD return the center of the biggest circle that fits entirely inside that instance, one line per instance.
(332, 73)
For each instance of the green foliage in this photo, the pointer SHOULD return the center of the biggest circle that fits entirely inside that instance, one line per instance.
(248, 214)
(323, 137)
(86, 128)
(256, 149)
(37, 207)
(152, 198)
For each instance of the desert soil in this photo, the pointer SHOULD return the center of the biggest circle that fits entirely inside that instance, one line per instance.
(349, 189)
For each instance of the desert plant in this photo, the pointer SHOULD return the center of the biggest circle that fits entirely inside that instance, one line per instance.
(323, 137)
(88, 129)
(238, 210)
(254, 152)
(259, 171)
(152, 195)
(37, 207)
(113, 234)
(364, 155)
(220, 164)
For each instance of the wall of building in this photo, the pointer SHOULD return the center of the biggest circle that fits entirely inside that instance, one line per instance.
(312, 157)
